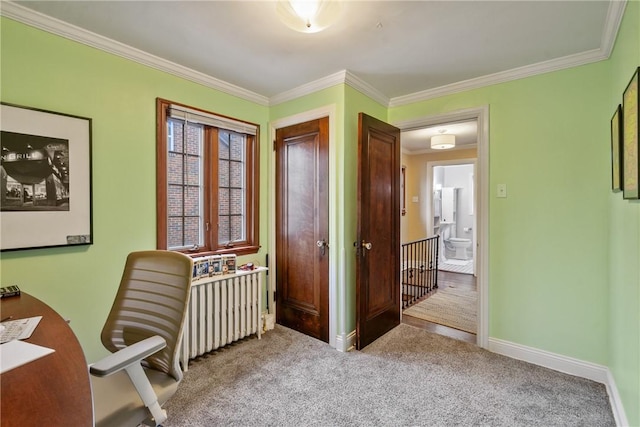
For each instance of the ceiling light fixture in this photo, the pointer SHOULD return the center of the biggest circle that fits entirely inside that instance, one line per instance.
(308, 16)
(443, 141)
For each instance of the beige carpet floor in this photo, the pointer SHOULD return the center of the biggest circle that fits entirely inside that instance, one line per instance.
(450, 306)
(407, 378)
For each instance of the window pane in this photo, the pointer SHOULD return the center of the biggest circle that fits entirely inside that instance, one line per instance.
(194, 171)
(236, 203)
(236, 174)
(223, 230)
(194, 138)
(223, 173)
(192, 231)
(192, 202)
(223, 201)
(174, 168)
(231, 188)
(237, 146)
(175, 201)
(237, 228)
(174, 136)
(223, 145)
(185, 192)
(174, 233)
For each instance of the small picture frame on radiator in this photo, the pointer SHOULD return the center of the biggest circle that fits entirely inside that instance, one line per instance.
(216, 265)
(229, 264)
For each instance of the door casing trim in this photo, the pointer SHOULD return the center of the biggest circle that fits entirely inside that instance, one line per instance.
(334, 282)
(481, 115)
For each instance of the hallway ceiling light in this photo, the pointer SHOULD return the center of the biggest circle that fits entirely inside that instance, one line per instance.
(443, 141)
(308, 16)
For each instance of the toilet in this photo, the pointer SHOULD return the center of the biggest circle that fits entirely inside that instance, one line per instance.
(460, 245)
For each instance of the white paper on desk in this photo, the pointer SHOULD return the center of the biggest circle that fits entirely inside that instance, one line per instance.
(16, 353)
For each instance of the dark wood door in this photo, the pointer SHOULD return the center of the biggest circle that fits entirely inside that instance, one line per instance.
(302, 228)
(378, 244)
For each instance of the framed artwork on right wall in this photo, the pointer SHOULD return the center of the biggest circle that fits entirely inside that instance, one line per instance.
(616, 152)
(630, 158)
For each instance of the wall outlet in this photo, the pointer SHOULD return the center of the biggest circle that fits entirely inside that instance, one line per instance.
(502, 190)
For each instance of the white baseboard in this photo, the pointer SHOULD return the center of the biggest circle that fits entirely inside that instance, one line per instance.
(616, 403)
(568, 365)
(346, 342)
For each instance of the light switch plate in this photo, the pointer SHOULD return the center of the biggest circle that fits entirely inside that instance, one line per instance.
(502, 190)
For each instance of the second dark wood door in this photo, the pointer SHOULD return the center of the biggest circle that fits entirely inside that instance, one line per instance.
(378, 244)
(302, 228)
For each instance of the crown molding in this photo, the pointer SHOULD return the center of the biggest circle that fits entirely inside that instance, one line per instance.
(60, 28)
(341, 77)
(501, 77)
(612, 25)
(308, 88)
(364, 87)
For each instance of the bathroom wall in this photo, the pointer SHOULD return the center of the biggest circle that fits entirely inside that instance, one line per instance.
(458, 176)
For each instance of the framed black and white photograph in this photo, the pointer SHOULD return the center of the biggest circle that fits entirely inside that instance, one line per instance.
(45, 179)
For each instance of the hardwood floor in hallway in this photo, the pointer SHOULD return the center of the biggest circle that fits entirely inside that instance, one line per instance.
(445, 279)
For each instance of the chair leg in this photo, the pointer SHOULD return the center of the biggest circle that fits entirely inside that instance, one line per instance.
(148, 396)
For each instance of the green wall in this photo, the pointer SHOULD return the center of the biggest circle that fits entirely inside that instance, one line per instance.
(49, 72)
(548, 239)
(624, 240)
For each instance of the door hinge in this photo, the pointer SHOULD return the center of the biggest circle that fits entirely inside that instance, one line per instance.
(275, 295)
(274, 145)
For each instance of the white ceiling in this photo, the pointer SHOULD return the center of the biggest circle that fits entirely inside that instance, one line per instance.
(398, 48)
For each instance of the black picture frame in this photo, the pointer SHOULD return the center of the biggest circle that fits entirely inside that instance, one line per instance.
(616, 150)
(45, 179)
(630, 157)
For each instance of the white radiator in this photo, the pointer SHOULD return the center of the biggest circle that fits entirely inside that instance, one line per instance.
(222, 309)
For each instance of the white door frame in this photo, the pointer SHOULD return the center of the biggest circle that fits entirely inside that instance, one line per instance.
(334, 285)
(481, 115)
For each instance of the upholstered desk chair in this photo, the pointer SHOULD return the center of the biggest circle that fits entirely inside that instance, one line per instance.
(143, 331)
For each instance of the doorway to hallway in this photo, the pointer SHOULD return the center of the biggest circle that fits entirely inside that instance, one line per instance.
(417, 201)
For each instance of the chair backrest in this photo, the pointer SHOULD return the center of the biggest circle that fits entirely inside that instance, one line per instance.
(152, 300)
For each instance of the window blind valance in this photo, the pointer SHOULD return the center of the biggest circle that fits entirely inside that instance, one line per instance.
(201, 117)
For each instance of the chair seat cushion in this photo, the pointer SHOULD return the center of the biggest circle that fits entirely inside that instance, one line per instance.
(117, 403)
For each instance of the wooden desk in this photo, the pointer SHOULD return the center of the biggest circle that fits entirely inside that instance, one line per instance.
(54, 390)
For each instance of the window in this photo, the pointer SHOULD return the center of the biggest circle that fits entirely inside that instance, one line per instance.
(207, 181)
